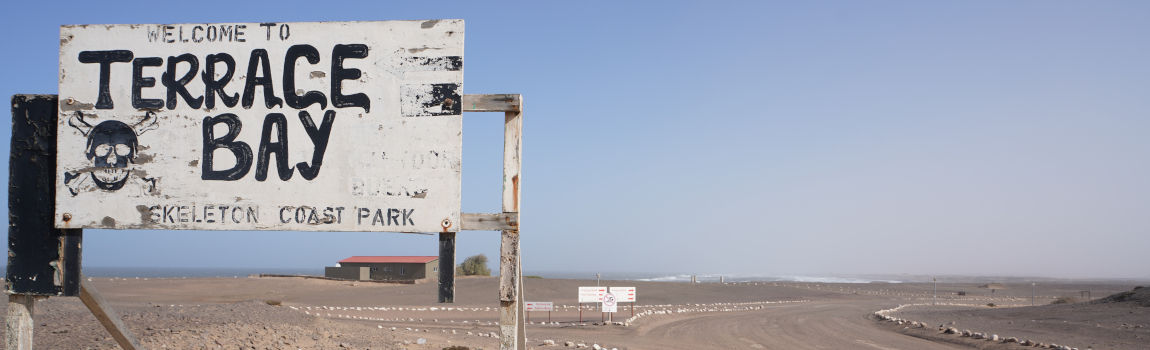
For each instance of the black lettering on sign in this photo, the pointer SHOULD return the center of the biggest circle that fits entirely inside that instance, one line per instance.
(180, 86)
(153, 35)
(282, 211)
(280, 148)
(139, 82)
(407, 217)
(309, 98)
(239, 33)
(212, 34)
(392, 216)
(225, 31)
(339, 74)
(363, 213)
(260, 58)
(105, 59)
(319, 137)
(194, 38)
(378, 218)
(269, 28)
(241, 150)
(208, 214)
(168, 34)
(285, 31)
(212, 87)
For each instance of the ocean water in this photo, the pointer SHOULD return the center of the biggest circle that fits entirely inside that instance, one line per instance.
(167, 272)
(701, 278)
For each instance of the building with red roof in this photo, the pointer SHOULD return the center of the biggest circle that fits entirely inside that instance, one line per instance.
(385, 268)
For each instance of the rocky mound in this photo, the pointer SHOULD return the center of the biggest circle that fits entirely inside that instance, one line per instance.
(1139, 296)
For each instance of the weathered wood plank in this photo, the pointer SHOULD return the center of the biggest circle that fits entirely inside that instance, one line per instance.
(490, 222)
(510, 292)
(42, 260)
(447, 266)
(511, 313)
(512, 148)
(491, 103)
(107, 316)
(18, 334)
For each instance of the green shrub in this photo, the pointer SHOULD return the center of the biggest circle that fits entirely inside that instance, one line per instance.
(457, 347)
(1065, 300)
(475, 265)
(273, 302)
(991, 305)
(539, 277)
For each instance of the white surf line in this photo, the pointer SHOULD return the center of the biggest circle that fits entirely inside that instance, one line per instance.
(884, 316)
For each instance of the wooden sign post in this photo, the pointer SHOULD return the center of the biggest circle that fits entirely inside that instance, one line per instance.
(187, 127)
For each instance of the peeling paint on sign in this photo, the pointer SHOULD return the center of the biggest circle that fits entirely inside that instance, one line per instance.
(326, 126)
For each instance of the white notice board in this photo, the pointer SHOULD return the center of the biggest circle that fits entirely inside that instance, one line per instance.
(591, 294)
(319, 126)
(624, 294)
(538, 306)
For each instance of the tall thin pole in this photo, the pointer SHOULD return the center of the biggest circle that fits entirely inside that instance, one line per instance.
(934, 298)
(1032, 294)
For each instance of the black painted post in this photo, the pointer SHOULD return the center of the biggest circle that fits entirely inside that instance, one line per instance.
(447, 267)
(42, 260)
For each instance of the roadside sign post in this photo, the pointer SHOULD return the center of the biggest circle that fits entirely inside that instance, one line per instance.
(539, 306)
(625, 295)
(610, 305)
(136, 140)
(590, 295)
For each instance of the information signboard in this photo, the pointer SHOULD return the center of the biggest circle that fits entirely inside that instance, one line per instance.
(539, 306)
(624, 294)
(591, 294)
(320, 126)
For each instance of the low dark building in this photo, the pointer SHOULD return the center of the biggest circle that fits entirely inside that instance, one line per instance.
(385, 268)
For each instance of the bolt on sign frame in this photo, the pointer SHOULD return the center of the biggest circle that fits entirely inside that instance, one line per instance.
(91, 141)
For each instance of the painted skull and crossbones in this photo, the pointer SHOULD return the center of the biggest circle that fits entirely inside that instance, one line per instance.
(112, 146)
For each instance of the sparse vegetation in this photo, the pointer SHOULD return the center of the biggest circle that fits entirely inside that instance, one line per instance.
(1065, 300)
(539, 277)
(475, 265)
(457, 347)
(273, 302)
(991, 305)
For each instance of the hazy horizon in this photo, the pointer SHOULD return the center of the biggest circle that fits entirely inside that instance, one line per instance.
(884, 137)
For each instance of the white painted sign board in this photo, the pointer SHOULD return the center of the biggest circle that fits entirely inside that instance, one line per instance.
(610, 303)
(538, 306)
(321, 126)
(591, 294)
(624, 294)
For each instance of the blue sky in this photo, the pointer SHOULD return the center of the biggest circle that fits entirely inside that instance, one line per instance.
(989, 138)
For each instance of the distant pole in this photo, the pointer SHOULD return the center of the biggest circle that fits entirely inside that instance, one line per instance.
(934, 298)
(1032, 294)
(597, 306)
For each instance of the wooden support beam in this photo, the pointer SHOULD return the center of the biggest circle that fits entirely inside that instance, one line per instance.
(107, 316)
(490, 222)
(42, 260)
(513, 335)
(18, 334)
(491, 103)
(447, 267)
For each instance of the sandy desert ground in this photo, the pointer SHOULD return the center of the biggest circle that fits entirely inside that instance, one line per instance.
(233, 313)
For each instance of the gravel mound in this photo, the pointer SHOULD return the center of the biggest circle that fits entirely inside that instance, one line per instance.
(1139, 296)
